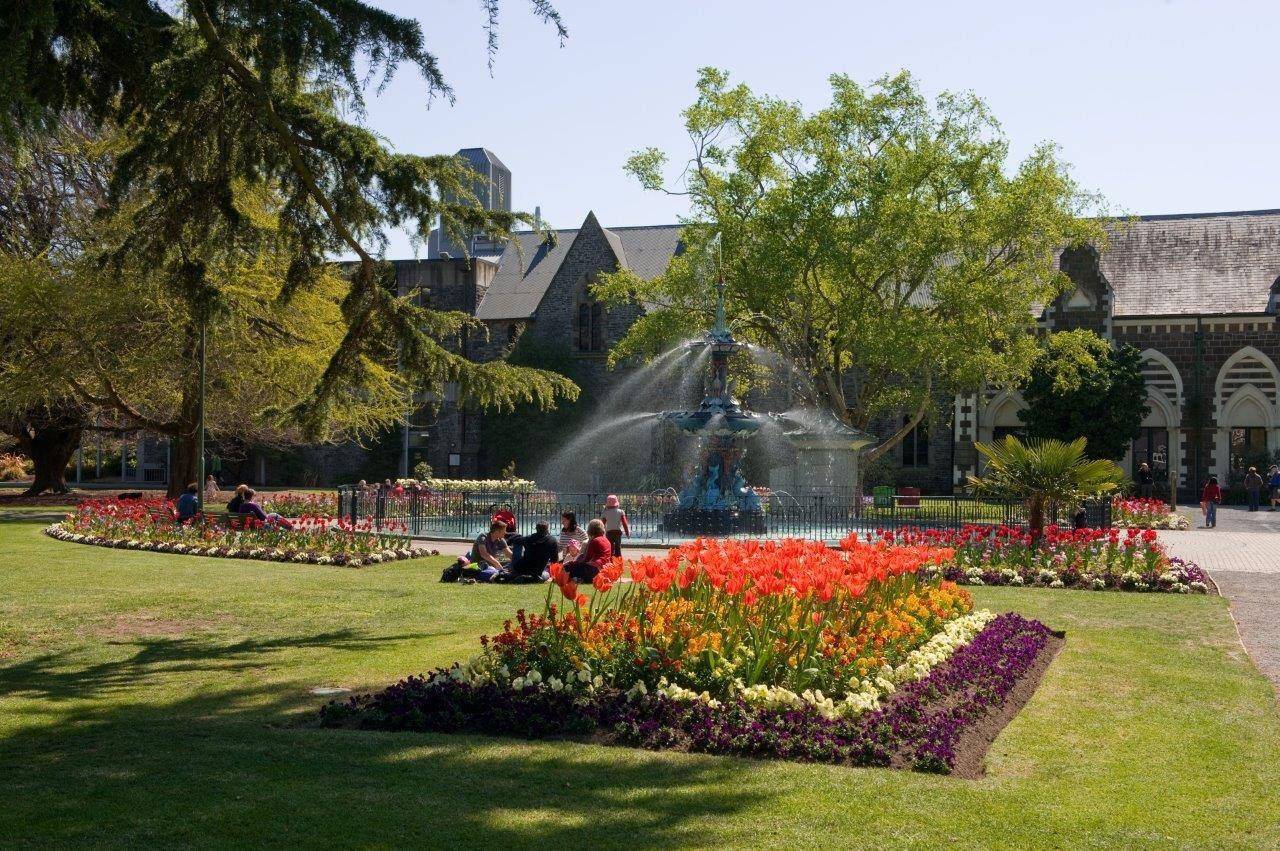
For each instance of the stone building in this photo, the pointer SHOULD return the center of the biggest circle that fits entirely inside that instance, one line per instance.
(539, 287)
(1196, 295)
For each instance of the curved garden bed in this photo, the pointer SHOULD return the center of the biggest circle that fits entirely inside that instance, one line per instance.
(150, 525)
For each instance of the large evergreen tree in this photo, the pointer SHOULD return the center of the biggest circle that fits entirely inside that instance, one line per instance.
(212, 95)
(1081, 386)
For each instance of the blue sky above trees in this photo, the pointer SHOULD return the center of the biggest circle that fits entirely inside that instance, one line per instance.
(1163, 106)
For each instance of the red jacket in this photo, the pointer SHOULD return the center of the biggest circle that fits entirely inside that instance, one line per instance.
(599, 551)
(1211, 493)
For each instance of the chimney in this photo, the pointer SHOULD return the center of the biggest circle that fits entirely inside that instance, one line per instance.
(537, 218)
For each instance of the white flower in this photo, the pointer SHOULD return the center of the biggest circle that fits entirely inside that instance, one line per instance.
(555, 684)
(518, 683)
(598, 682)
(584, 676)
(533, 678)
(637, 690)
(1057, 583)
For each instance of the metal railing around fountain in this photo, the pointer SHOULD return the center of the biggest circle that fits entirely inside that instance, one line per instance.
(829, 516)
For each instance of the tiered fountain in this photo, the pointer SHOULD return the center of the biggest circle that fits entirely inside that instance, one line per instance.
(717, 499)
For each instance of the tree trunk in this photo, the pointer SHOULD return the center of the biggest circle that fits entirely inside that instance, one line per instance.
(49, 437)
(51, 449)
(1035, 517)
(182, 464)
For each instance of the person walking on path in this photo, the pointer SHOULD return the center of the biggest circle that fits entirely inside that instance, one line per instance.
(1209, 499)
(1146, 481)
(1253, 486)
(1273, 482)
(615, 524)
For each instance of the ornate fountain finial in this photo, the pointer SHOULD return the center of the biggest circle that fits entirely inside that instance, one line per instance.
(722, 325)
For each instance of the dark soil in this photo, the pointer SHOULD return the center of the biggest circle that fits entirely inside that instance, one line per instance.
(975, 741)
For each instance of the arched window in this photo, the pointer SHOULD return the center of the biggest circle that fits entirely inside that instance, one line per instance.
(589, 333)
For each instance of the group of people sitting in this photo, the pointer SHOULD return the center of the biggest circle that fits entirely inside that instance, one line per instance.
(502, 555)
(244, 505)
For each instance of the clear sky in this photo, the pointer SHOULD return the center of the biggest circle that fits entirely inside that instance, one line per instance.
(1163, 106)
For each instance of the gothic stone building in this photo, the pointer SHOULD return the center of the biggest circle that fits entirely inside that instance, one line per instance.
(539, 287)
(1196, 294)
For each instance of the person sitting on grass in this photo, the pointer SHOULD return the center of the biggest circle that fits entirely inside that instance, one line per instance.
(597, 554)
(251, 509)
(233, 507)
(490, 550)
(188, 504)
(505, 515)
(537, 551)
(572, 536)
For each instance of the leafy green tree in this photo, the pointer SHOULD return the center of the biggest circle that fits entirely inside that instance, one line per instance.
(51, 185)
(121, 341)
(215, 94)
(1045, 474)
(1080, 386)
(882, 244)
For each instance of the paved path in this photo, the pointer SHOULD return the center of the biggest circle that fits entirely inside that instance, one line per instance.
(1242, 554)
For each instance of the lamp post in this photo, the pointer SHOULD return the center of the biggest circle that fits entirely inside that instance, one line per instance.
(200, 418)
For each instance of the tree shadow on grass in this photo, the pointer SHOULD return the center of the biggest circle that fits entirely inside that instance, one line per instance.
(55, 675)
(208, 770)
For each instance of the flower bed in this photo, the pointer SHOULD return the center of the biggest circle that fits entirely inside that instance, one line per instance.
(287, 504)
(481, 486)
(1147, 514)
(150, 524)
(1091, 559)
(861, 656)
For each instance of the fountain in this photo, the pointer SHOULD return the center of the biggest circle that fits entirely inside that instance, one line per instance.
(716, 499)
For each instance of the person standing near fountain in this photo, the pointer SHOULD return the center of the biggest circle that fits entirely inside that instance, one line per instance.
(615, 524)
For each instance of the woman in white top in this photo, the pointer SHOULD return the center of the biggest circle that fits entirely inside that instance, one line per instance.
(572, 536)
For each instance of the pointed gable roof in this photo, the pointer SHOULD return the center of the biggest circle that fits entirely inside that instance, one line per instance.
(530, 262)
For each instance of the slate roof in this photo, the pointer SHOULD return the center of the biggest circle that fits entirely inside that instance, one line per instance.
(1201, 263)
(529, 264)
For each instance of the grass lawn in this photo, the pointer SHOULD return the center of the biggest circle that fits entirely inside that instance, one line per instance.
(942, 508)
(151, 700)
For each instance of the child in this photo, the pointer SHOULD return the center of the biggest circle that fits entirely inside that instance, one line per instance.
(615, 524)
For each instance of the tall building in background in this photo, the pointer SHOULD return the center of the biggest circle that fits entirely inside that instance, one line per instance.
(493, 187)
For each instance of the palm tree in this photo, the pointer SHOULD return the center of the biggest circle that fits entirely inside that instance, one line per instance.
(1043, 474)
